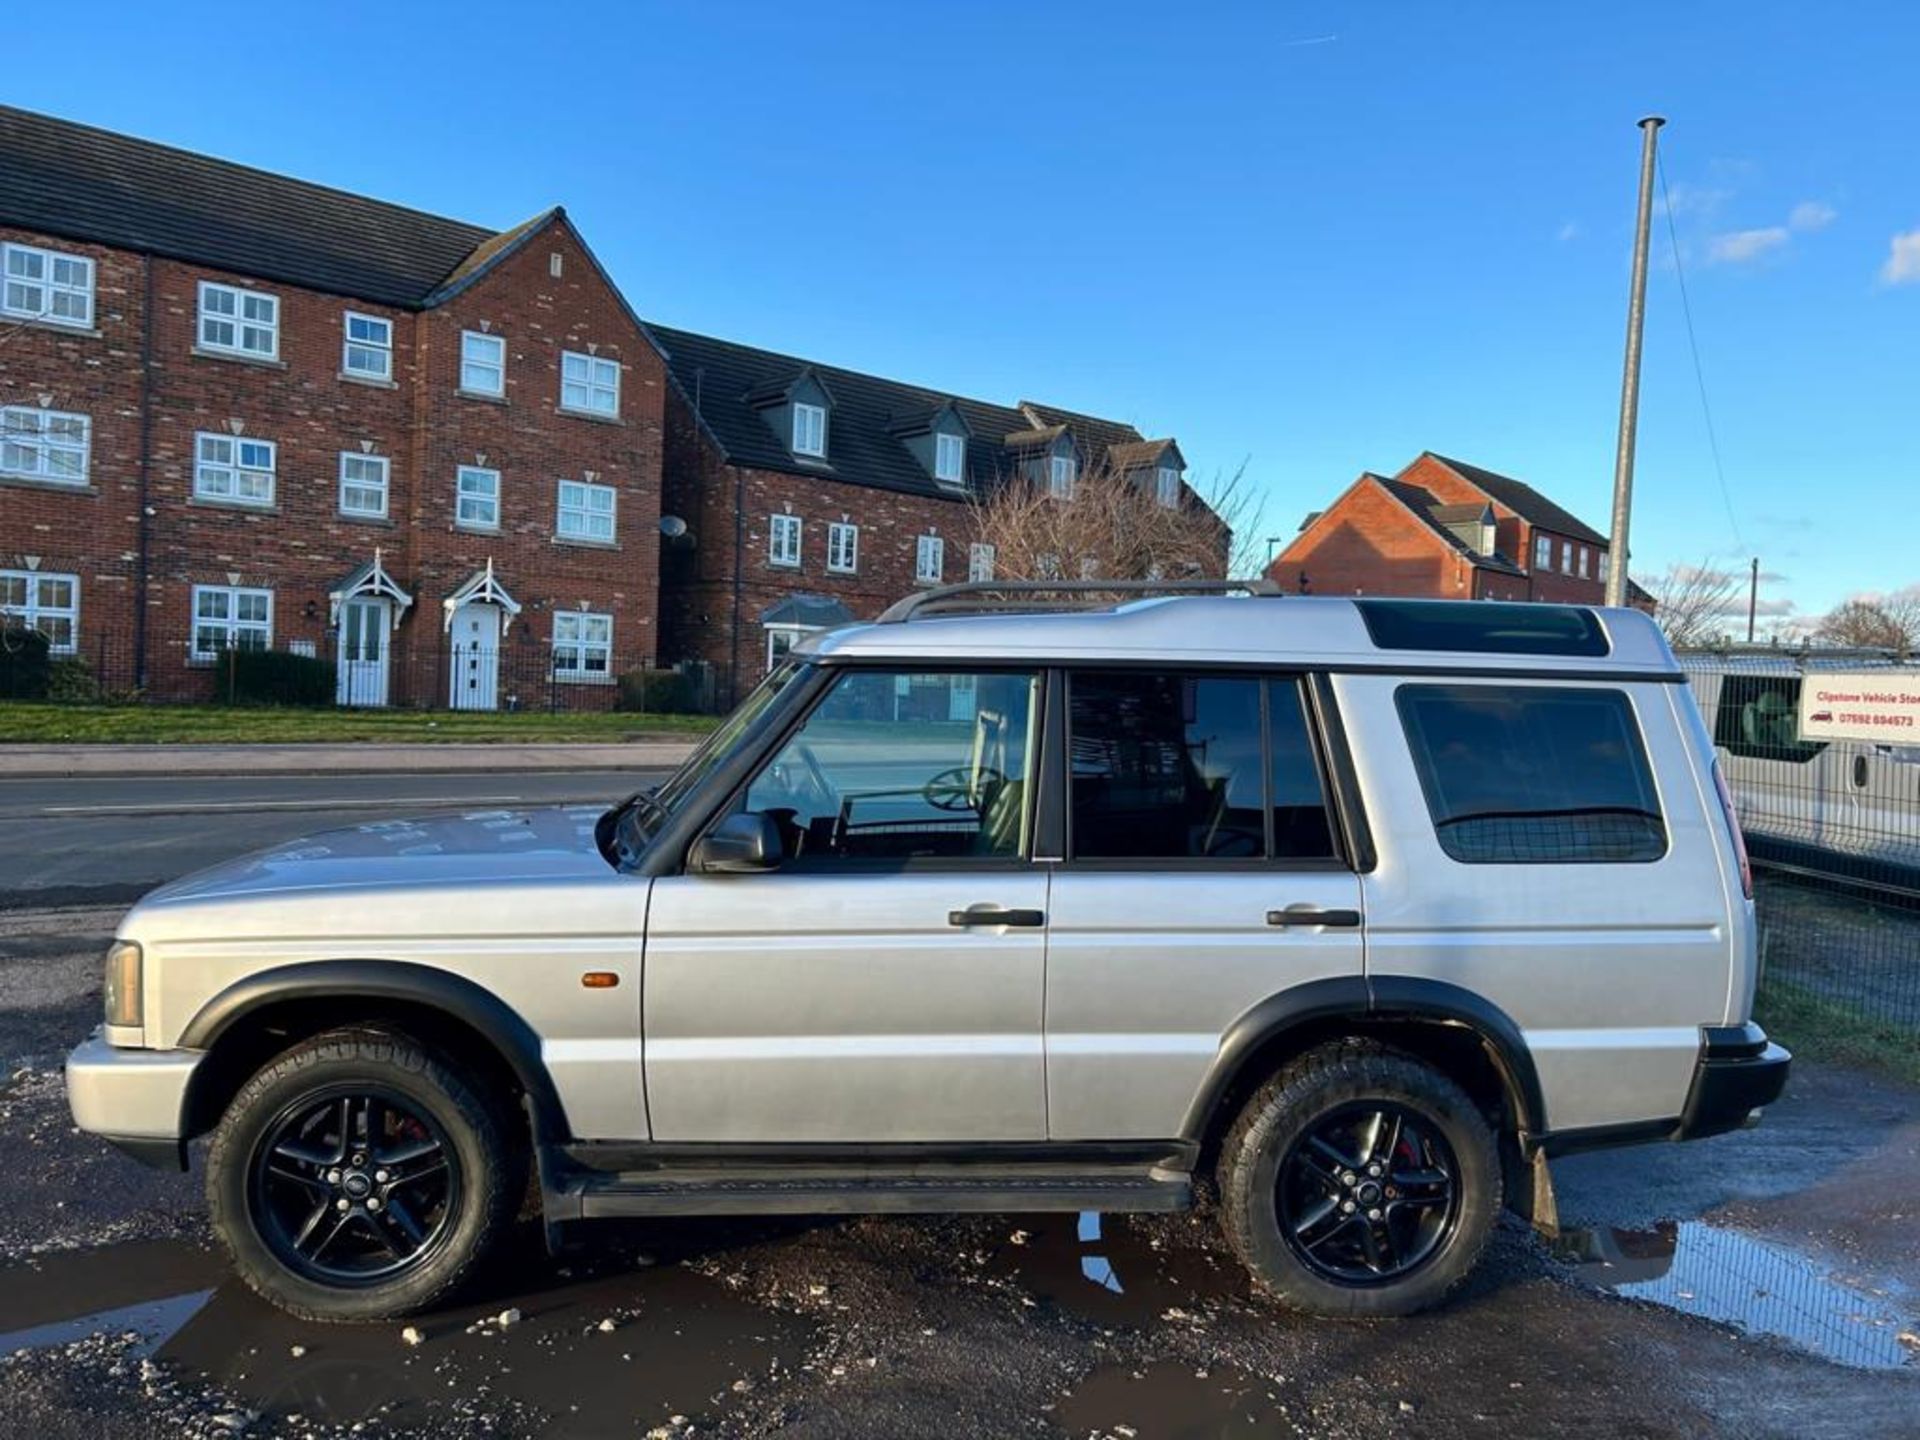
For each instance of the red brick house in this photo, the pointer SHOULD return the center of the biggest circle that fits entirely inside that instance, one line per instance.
(1447, 530)
(800, 495)
(242, 411)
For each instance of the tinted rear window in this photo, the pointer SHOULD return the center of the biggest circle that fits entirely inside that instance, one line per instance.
(1487, 626)
(1531, 775)
(1759, 718)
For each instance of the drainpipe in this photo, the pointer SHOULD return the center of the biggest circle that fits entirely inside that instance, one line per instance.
(145, 546)
(739, 583)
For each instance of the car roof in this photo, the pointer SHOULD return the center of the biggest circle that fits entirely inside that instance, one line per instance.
(1310, 631)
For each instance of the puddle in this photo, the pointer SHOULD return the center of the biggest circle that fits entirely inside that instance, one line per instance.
(1168, 1400)
(679, 1344)
(1761, 1288)
(1114, 1270)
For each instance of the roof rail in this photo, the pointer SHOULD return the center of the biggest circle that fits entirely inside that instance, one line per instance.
(961, 598)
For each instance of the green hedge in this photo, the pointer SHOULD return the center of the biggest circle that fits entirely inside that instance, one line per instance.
(24, 667)
(274, 677)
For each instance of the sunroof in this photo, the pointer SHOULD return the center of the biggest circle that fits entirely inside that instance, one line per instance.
(1489, 626)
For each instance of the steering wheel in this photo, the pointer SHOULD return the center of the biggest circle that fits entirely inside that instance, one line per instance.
(957, 788)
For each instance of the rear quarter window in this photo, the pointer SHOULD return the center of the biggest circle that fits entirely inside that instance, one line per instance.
(1533, 775)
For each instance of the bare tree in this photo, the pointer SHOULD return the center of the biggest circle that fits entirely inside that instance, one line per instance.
(1112, 525)
(1890, 622)
(1693, 602)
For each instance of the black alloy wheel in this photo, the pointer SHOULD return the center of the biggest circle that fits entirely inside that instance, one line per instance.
(1367, 1194)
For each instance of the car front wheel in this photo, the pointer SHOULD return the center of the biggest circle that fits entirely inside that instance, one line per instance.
(1359, 1182)
(358, 1177)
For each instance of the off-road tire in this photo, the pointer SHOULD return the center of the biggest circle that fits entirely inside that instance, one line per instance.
(1310, 1087)
(491, 1179)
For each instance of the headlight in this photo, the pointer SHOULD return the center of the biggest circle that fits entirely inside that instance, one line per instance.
(123, 984)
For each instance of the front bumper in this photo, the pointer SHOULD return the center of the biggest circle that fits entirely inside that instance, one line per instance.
(135, 1099)
(1738, 1072)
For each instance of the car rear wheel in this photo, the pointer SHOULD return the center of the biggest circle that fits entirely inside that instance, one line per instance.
(358, 1177)
(1359, 1182)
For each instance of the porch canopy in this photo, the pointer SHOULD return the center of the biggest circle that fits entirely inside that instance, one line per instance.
(806, 612)
(482, 587)
(372, 579)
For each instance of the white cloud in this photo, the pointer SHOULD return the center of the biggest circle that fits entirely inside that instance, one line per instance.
(1903, 260)
(1737, 247)
(1811, 215)
(1569, 231)
(1686, 199)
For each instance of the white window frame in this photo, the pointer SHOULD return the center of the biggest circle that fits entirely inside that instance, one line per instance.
(783, 541)
(1566, 557)
(1583, 562)
(479, 339)
(461, 495)
(1605, 565)
(234, 626)
(1542, 552)
(843, 547)
(33, 609)
(373, 483)
(376, 356)
(241, 325)
(949, 458)
(1062, 472)
(596, 380)
(1166, 487)
(580, 499)
(929, 559)
(809, 429)
(980, 558)
(579, 635)
(29, 447)
(206, 471)
(16, 283)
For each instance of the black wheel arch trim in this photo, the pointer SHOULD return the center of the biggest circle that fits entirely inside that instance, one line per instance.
(1375, 998)
(455, 996)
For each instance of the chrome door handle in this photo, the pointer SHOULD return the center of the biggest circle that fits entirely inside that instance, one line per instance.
(1305, 915)
(994, 915)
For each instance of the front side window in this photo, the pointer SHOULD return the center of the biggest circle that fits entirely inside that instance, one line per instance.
(906, 765)
(368, 353)
(1758, 718)
(809, 430)
(50, 445)
(363, 485)
(1193, 767)
(1543, 552)
(929, 559)
(227, 617)
(1060, 475)
(228, 468)
(239, 322)
(37, 600)
(483, 363)
(980, 557)
(582, 645)
(46, 285)
(586, 512)
(477, 498)
(1533, 775)
(589, 384)
(783, 540)
(843, 548)
(949, 458)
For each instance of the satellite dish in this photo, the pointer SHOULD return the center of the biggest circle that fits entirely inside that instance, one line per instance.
(672, 526)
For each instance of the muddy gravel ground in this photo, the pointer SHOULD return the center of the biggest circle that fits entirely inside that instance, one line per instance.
(1760, 1284)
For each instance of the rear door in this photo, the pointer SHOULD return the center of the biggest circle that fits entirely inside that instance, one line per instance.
(1200, 877)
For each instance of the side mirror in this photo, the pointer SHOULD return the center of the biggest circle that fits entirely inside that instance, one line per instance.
(741, 843)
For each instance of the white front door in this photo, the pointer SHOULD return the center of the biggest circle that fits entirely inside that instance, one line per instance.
(474, 680)
(365, 625)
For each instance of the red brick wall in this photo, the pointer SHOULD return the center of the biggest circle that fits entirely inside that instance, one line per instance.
(1368, 544)
(1516, 538)
(302, 545)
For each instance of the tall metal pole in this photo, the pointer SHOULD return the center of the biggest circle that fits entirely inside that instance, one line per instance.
(1630, 379)
(1753, 597)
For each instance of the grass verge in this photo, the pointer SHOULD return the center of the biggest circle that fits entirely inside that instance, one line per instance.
(39, 724)
(1820, 1028)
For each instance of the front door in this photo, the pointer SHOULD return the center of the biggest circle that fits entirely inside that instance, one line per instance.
(886, 982)
(474, 677)
(1201, 878)
(365, 624)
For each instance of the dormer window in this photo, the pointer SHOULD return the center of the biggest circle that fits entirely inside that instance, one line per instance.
(1061, 470)
(949, 458)
(1167, 486)
(810, 430)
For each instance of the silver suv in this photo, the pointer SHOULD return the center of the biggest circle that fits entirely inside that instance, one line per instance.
(1347, 908)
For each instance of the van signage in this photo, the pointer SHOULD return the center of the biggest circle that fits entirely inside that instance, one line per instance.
(1879, 705)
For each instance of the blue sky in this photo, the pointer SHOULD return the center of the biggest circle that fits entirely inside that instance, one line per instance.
(1316, 238)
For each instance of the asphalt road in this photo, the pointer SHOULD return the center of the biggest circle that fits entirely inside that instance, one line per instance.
(109, 840)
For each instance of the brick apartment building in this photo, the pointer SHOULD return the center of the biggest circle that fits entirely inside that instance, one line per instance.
(812, 495)
(243, 411)
(1447, 530)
